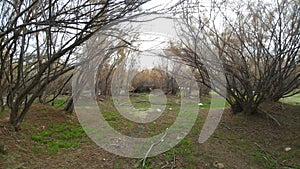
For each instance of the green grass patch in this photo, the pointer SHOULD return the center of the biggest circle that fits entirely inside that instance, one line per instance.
(141, 104)
(208, 102)
(184, 148)
(293, 100)
(4, 111)
(223, 136)
(60, 103)
(58, 136)
(38, 149)
(140, 101)
(215, 102)
(264, 158)
(112, 116)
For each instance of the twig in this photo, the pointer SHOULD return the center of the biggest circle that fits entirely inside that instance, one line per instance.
(269, 115)
(166, 165)
(265, 151)
(226, 126)
(273, 118)
(116, 145)
(260, 147)
(282, 106)
(154, 144)
(174, 160)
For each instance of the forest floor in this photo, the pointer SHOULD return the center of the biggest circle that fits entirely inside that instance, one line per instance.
(52, 139)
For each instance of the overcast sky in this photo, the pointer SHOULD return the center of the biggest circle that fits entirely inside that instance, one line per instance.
(155, 34)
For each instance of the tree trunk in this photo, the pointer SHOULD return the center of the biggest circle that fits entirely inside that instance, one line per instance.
(250, 108)
(41, 100)
(70, 106)
(236, 108)
(13, 117)
(247, 108)
(2, 104)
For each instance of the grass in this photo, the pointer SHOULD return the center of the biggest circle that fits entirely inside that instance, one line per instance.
(60, 103)
(218, 102)
(4, 111)
(223, 136)
(141, 101)
(56, 137)
(265, 158)
(185, 148)
(113, 118)
(293, 100)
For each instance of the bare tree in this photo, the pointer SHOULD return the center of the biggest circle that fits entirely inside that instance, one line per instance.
(169, 71)
(180, 69)
(257, 43)
(37, 36)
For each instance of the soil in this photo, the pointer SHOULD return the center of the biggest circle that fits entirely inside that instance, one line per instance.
(240, 142)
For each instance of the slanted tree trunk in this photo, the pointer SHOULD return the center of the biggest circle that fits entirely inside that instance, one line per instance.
(70, 106)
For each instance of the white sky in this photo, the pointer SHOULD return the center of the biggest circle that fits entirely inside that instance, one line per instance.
(155, 34)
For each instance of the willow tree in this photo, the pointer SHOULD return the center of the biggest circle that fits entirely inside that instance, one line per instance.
(256, 43)
(40, 39)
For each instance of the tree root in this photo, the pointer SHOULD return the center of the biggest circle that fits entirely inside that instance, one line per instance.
(268, 115)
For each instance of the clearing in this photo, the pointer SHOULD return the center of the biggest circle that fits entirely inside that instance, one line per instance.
(52, 139)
